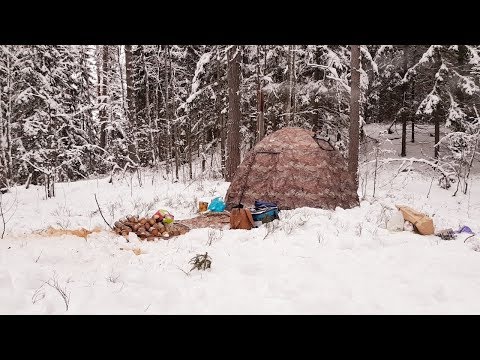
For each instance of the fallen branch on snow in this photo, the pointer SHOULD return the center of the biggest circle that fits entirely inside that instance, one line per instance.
(446, 175)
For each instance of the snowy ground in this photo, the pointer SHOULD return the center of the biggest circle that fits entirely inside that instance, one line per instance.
(310, 262)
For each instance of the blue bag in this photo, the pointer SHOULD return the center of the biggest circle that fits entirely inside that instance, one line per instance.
(264, 212)
(217, 205)
(264, 204)
(265, 215)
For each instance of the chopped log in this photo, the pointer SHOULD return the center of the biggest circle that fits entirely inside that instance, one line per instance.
(118, 224)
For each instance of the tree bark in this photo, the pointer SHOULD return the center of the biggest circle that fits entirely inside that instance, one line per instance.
(3, 158)
(168, 68)
(129, 81)
(221, 120)
(293, 84)
(288, 111)
(233, 136)
(316, 76)
(354, 112)
(120, 71)
(5, 128)
(412, 97)
(103, 110)
(260, 119)
(404, 134)
(437, 133)
(147, 109)
(176, 150)
(8, 123)
(404, 102)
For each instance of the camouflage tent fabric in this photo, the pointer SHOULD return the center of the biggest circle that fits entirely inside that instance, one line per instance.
(293, 169)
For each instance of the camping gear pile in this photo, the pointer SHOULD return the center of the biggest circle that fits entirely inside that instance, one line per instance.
(214, 215)
(160, 226)
(408, 219)
(263, 212)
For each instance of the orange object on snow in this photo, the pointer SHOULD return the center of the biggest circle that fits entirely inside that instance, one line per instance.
(420, 221)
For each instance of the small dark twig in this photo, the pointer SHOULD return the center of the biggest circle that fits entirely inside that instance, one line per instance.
(38, 295)
(3, 217)
(38, 258)
(468, 238)
(100, 210)
(179, 268)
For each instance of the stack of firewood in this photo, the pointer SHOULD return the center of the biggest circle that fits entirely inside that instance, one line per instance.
(149, 229)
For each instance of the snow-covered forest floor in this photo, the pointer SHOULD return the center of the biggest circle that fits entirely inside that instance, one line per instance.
(311, 261)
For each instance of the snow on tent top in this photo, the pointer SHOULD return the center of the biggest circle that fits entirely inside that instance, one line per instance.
(293, 169)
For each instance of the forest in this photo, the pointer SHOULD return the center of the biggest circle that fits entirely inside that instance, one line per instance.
(70, 112)
(239, 179)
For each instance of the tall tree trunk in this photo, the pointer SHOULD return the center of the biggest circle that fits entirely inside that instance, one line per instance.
(316, 76)
(260, 120)
(293, 84)
(168, 69)
(98, 59)
(403, 110)
(8, 122)
(233, 137)
(156, 108)
(404, 134)
(221, 118)
(437, 132)
(288, 111)
(103, 110)
(176, 149)
(190, 146)
(354, 112)
(129, 81)
(147, 108)
(3, 158)
(120, 71)
(132, 150)
(412, 97)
